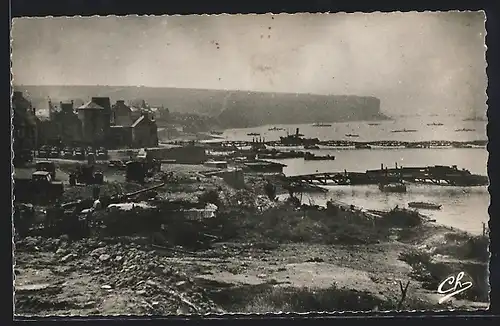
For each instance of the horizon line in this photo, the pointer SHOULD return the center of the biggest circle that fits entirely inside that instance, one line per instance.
(192, 88)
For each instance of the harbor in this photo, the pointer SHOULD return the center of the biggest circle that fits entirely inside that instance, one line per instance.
(436, 175)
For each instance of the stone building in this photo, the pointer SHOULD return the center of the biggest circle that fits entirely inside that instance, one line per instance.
(66, 124)
(96, 118)
(121, 114)
(144, 132)
(24, 124)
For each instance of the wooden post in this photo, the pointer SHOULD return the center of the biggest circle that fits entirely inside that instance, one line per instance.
(403, 293)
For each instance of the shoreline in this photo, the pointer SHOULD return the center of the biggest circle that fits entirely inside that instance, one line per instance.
(266, 255)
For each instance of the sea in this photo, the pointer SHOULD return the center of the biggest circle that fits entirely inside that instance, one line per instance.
(464, 208)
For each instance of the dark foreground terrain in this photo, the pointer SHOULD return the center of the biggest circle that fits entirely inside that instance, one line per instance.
(266, 256)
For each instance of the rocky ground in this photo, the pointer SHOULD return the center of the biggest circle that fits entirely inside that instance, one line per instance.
(267, 257)
(129, 276)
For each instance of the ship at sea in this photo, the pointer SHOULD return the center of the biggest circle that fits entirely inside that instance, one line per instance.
(253, 134)
(275, 129)
(321, 125)
(464, 130)
(352, 135)
(475, 119)
(373, 124)
(215, 132)
(435, 124)
(404, 130)
(297, 139)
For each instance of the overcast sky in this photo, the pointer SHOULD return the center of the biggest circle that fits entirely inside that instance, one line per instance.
(412, 61)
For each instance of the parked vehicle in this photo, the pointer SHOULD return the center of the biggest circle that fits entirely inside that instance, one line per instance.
(44, 151)
(117, 164)
(47, 166)
(102, 153)
(54, 152)
(90, 150)
(79, 154)
(67, 153)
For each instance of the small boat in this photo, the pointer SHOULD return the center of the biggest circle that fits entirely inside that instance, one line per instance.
(311, 157)
(475, 119)
(275, 129)
(462, 145)
(435, 124)
(253, 134)
(322, 125)
(404, 130)
(362, 146)
(424, 205)
(464, 130)
(374, 124)
(352, 135)
(310, 146)
(392, 187)
(214, 132)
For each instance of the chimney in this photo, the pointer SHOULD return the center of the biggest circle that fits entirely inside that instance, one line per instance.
(297, 131)
(33, 110)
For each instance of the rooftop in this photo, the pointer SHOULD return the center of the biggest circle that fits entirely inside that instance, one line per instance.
(91, 105)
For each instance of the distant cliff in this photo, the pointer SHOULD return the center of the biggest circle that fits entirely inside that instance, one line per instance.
(274, 108)
(233, 109)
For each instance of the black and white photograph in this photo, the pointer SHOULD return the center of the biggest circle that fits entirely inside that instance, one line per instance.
(251, 163)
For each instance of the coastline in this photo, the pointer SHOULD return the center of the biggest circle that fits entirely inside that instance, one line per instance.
(267, 255)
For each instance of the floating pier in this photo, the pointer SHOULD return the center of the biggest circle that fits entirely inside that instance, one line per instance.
(436, 175)
(229, 144)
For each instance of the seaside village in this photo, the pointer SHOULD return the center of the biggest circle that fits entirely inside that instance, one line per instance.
(109, 220)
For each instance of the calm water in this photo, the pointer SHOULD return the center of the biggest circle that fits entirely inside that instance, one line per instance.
(462, 208)
(383, 131)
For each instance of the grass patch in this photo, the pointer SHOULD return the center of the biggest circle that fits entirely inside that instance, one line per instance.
(266, 298)
(431, 273)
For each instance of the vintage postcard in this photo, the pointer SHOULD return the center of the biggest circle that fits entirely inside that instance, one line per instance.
(219, 164)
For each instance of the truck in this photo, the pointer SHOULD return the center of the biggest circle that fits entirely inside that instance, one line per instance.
(47, 166)
(86, 174)
(136, 171)
(41, 188)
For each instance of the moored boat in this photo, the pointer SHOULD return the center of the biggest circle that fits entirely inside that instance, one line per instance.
(392, 187)
(311, 157)
(424, 205)
(362, 146)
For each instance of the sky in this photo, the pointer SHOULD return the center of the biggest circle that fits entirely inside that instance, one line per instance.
(414, 62)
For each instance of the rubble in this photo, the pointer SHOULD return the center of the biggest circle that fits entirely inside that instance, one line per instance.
(122, 267)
